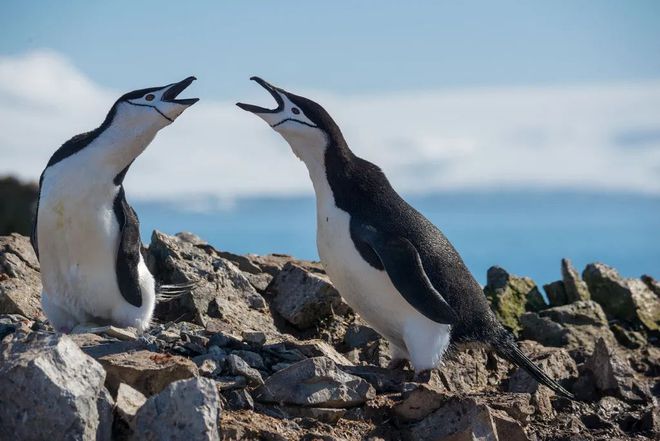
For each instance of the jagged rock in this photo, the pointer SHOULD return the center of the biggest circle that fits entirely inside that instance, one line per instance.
(575, 327)
(510, 296)
(508, 428)
(51, 390)
(238, 366)
(556, 293)
(627, 337)
(457, 420)
(625, 299)
(553, 361)
(303, 297)
(239, 399)
(653, 284)
(358, 336)
(612, 375)
(253, 337)
(315, 382)
(184, 410)
(149, 372)
(318, 348)
(574, 287)
(223, 299)
(20, 281)
(127, 404)
(19, 203)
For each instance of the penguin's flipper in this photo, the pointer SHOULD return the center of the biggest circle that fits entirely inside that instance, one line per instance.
(33, 234)
(403, 265)
(128, 252)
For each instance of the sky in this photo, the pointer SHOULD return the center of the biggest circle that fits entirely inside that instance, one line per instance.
(444, 96)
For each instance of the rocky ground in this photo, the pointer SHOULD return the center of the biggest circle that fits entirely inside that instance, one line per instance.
(264, 348)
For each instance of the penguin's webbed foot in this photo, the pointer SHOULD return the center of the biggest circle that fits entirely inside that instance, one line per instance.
(423, 376)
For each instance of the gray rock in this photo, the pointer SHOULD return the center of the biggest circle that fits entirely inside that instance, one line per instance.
(653, 284)
(358, 336)
(553, 361)
(625, 299)
(254, 337)
(612, 375)
(458, 419)
(239, 399)
(105, 406)
(51, 390)
(575, 327)
(127, 404)
(237, 366)
(556, 293)
(419, 403)
(316, 382)
(574, 287)
(303, 297)
(20, 281)
(251, 358)
(184, 410)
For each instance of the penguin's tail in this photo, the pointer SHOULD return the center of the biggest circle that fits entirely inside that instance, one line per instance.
(169, 292)
(506, 347)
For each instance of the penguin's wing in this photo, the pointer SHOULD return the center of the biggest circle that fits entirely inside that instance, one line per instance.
(128, 252)
(403, 265)
(33, 235)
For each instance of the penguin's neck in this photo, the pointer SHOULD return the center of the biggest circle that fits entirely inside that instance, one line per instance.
(318, 153)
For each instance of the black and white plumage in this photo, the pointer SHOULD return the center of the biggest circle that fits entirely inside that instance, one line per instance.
(392, 265)
(86, 235)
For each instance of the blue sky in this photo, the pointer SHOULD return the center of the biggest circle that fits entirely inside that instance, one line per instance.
(443, 96)
(343, 46)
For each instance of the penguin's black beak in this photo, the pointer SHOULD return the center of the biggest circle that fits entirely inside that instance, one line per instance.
(175, 89)
(274, 91)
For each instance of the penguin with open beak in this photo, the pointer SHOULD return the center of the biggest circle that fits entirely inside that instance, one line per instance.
(390, 263)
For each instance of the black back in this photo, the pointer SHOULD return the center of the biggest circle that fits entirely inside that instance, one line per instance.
(362, 189)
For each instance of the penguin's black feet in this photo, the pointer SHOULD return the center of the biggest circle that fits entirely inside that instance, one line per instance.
(398, 364)
(423, 376)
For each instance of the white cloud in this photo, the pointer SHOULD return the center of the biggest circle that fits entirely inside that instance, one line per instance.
(580, 137)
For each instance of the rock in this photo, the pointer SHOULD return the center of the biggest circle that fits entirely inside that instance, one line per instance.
(20, 281)
(653, 284)
(316, 382)
(239, 399)
(384, 380)
(318, 348)
(148, 372)
(105, 406)
(575, 327)
(238, 366)
(556, 293)
(184, 410)
(256, 338)
(253, 359)
(327, 415)
(508, 428)
(457, 420)
(303, 297)
(625, 299)
(574, 287)
(223, 299)
(358, 336)
(51, 389)
(19, 203)
(627, 337)
(466, 370)
(510, 296)
(553, 361)
(612, 375)
(127, 404)
(419, 403)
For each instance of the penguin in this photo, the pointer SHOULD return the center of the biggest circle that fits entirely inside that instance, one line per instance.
(86, 235)
(391, 264)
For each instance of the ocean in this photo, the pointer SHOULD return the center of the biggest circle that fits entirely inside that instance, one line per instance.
(527, 233)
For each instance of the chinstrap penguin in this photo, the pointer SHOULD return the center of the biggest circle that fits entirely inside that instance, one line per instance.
(85, 234)
(393, 266)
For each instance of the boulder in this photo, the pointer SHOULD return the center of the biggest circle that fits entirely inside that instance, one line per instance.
(625, 299)
(237, 366)
(149, 372)
(51, 390)
(184, 410)
(303, 297)
(316, 382)
(20, 281)
(575, 327)
(510, 296)
(555, 362)
(222, 298)
(556, 293)
(574, 287)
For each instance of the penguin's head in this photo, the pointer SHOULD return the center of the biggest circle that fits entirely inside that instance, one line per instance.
(305, 125)
(155, 106)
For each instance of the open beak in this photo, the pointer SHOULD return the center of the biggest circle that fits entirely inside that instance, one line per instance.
(175, 89)
(273, 91)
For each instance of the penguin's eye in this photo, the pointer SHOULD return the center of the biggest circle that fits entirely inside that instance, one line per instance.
(149, 97)
(295, 110)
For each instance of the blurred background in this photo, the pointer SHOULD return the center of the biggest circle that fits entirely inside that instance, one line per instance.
(527, 131)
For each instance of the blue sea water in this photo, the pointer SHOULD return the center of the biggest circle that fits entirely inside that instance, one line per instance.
(526, 233)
